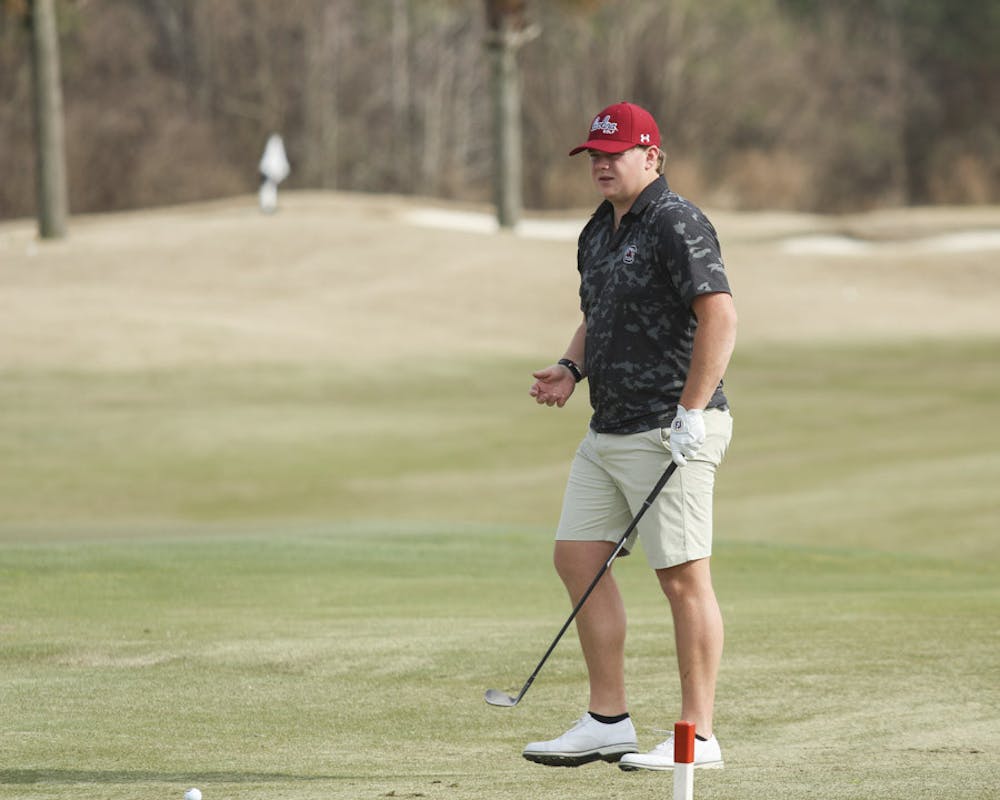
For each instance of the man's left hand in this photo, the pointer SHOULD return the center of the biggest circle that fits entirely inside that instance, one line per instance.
(687, 434)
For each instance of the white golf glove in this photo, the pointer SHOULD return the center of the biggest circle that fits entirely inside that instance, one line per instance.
(687, 434)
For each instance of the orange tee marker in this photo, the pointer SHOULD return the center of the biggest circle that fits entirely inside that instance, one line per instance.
(683, 760)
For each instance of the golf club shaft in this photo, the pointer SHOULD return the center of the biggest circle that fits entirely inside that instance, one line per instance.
(600, 574)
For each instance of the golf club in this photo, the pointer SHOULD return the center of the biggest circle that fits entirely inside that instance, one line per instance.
(495, 697)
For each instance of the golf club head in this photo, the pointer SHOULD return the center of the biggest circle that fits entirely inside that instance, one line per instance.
(497, 698)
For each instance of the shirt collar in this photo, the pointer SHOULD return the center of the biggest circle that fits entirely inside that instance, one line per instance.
(654, 190)
(648, 195)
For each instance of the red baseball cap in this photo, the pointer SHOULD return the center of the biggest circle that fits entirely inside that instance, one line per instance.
(621, 127)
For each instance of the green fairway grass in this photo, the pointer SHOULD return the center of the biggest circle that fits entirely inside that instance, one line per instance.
(890, 447)
(280, 581)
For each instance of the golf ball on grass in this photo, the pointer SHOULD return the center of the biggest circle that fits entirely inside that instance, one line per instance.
(192, 794)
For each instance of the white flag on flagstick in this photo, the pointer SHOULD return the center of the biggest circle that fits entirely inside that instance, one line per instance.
(274, 168)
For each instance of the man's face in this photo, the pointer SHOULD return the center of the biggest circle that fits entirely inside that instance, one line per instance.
(620, 177)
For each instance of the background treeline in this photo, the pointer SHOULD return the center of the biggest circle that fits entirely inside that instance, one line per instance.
(800, 104)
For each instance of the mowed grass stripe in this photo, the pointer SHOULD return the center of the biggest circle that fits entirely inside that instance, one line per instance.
(887, 446)
(324, 667)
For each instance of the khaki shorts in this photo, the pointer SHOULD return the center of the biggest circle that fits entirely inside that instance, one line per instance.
(613, 474)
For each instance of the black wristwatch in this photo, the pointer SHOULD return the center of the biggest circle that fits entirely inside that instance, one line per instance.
(573, 368)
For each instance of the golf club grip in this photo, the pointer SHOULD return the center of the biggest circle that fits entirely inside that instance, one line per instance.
(600, 574)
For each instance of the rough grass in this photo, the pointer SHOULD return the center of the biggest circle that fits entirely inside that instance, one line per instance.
(280, 581)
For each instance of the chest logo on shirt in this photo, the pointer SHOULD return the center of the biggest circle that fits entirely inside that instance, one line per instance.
(630, 253)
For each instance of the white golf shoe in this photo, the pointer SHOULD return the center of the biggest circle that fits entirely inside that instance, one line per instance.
(588, 740)
(707, 755)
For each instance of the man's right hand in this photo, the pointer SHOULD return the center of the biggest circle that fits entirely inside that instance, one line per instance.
(553, 385)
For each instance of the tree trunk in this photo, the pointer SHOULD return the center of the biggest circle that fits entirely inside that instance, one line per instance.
(402, 133)
(50, 141)
(507, 134)
(503, 43)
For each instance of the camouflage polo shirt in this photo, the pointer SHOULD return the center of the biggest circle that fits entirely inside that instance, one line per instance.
(636, 288)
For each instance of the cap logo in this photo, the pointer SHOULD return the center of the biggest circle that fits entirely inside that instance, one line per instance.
(604, 125)
(644, 138)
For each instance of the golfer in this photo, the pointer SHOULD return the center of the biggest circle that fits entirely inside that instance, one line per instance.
(657, 333)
